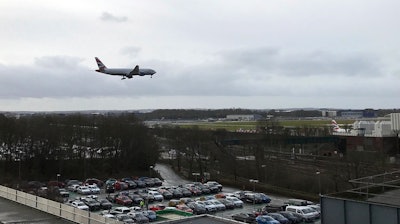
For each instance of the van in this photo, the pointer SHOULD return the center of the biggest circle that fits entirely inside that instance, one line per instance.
(307, 213)
(297, 202)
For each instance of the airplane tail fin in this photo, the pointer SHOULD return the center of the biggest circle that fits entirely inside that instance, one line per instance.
(100, 64)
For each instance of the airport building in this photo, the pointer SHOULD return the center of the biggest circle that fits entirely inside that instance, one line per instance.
(373, 135)
(244, 117)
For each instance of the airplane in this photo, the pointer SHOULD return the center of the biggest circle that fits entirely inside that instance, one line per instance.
(124, 72)
(336, 128)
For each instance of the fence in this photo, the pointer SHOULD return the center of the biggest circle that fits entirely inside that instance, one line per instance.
(54, 208)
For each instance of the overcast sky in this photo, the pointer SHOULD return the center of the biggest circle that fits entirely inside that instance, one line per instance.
(208, 54)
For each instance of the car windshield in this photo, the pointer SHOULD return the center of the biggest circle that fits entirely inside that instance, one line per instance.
(307, 210)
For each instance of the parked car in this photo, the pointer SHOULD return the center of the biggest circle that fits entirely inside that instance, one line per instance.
(157, 196)
(209, 206)
(265, 219)
(80, 205)
(197, 208)
(124, 218)
(280, 218)
(56, 184)
(165, 193)
(307, 213)
(185, 192)
(91, 203)
(105, 204)
(136, 198)
(292, 218)
(218, 204)
(194, 190)
(123, 200)
(138, 217)
(157, 181)
(140, 184)
(131, 184)
(91, 181)
(253, 198)
(94, 189)
(245, 217)
(110, 188)
(264, 198)
(120, 210)
(228, 204)
(236, 201)
(71, 182)
(73, 187)
(83, 190)
(184, 207)
(151, 215)
(120, 186)
(214, 183)
(63, 192)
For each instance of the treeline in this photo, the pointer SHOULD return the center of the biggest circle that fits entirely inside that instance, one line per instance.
(75, 146)
(193, 113)
(183, 114)
(222, 113)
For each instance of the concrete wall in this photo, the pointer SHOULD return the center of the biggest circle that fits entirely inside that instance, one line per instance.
(57, 209)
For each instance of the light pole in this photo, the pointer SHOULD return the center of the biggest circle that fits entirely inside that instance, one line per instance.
(58, 177)
(254, 181)
(265, 172)
(318, 173)
(150, 168)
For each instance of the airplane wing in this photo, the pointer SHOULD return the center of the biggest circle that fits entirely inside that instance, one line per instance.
(135, 71)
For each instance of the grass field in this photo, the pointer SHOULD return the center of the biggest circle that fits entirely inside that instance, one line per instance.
(250, 125)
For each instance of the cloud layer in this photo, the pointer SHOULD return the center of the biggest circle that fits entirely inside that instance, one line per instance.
(258, 55)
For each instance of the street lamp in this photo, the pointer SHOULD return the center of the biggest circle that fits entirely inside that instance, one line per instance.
(318, 173)
(58, 177)
(265, 172)
(254, 181)
(150, 168)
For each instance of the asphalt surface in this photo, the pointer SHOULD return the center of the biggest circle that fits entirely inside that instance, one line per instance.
(172, 179)
(12, 212)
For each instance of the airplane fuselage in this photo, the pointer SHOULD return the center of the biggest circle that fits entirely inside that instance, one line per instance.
(125, 72)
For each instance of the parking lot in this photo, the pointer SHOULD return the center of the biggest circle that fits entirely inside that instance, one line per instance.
(171, 182)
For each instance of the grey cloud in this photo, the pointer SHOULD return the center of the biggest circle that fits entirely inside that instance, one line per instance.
(109, 17)
(131, 51)
(267, 61)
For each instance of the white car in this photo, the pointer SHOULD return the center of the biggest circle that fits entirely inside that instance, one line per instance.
(306, 212)
(83, 190)
(94, 189)
(157, 196)
(73, 187)
(236, 201)
(218, 204)
(80, 205)
(210, 207)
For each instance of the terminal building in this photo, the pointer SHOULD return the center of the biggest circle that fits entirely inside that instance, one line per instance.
(375, 199)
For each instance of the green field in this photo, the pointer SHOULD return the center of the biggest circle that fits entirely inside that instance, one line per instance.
(249, 125)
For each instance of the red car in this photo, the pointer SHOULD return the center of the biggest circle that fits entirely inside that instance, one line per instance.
(157, 207)
(123, 200)
(120, 186)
